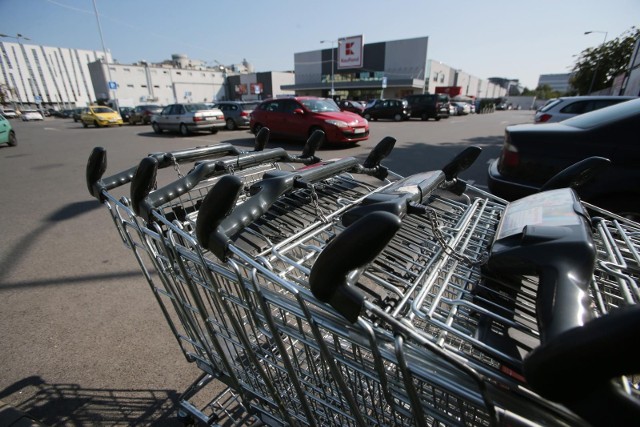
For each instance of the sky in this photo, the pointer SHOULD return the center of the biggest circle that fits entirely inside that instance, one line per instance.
(516, 39)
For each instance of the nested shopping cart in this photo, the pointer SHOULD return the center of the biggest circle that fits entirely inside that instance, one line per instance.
(322, 297)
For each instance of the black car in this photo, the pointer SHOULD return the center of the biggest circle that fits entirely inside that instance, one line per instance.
(125, 113)
(77, 112)
(142, 114)
(429, 106)
(350, 105)
(396, 109)
(531, 154)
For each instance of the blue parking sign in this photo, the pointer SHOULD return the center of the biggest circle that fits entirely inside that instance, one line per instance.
(113, 85)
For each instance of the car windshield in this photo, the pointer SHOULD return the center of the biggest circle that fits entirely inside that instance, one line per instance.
(195, 107)
(621, 111)
(320, 105)
(102, 110)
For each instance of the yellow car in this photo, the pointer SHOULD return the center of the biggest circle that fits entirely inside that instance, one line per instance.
(100, 116)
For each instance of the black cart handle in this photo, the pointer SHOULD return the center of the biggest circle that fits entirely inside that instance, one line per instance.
(214, 231)
(581, 368)
(578, 174)
(97, 165)
(406, 195)
(143, 200)
(358, 245)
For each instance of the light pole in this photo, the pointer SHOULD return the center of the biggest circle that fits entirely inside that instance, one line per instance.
(106, 58)
(333, 91)
(595, 71)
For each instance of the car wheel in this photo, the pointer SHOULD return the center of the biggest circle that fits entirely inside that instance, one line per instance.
(231, 125)
(13, 141)
(437, 119)
(367, 116)
(85, 125)
(256, 128)
(397, 117)
(96, 123)
(214, 130)
(184, 131)
(156, 128)
(424, 117)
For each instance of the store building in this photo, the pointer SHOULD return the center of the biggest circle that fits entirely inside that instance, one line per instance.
(391, 69)
(355, 70)
(46, 77)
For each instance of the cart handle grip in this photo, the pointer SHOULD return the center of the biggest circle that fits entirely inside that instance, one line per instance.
(266, 192)
(97, 164)
(406, 195)
(578, 174)
(358, 245)
(580, 367)
(143, 201)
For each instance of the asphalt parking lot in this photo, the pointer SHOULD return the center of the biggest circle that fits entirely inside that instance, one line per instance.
(83, 341)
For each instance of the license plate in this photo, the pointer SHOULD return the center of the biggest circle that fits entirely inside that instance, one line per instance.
(359, 130)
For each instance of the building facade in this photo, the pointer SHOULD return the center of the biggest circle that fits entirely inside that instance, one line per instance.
(557, 82)
(48, 77)
(258, 86)
(390, 69)
(179, 80)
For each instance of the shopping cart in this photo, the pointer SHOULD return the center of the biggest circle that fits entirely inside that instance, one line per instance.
(319, 300)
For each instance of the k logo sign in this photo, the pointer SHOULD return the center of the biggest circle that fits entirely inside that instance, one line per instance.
(350, 50)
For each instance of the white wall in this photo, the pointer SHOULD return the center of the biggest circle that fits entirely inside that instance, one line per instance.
(59, 76)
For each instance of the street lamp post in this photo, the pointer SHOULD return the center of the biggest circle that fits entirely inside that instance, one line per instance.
(595, 71)
(333, 91)
(106, 59)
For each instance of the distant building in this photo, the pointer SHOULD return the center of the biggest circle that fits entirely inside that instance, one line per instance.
(257, 86)
(557, 82)
(512, 86)
(178, 80)
(444, 78)
(58, 77)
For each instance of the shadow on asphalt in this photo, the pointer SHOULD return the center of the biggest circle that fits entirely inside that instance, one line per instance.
(69, 404)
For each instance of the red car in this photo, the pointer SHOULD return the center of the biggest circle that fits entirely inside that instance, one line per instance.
(297, 118)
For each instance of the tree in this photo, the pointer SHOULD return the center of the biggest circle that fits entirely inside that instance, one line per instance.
(603, 63)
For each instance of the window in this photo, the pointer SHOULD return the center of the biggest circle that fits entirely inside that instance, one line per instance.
(575, 107)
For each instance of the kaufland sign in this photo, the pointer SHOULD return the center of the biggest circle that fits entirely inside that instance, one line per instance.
(350, 52)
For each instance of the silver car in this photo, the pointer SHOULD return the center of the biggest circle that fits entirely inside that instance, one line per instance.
(188, 118)
(237, 113)
(569, 106)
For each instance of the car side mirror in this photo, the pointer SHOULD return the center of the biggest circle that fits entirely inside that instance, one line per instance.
(298, 111)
